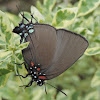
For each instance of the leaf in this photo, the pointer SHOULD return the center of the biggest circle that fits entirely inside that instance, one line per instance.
(5, 21)
(2, 42)
(96, 79)
(64, 17)
(21, 47)
(75, 95)
(61, 96)
(5, 54)
(83, 31)
(37, 14)
(13, 18)
(41, 94)
(3, 80)
(10, 66)
(92, 51)
(49, 4)
(87, 6)
(97, 39)
(4, 71)
(39, 6)
(92, 96)
(5, 28)
(16, 39)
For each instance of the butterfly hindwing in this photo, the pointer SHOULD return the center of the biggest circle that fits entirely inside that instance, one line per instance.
(70, 47)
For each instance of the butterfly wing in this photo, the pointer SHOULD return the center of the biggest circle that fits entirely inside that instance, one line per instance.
(70, 47)
(42, 45)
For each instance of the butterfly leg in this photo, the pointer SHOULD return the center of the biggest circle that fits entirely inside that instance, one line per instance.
(21, 40)
(19, 64)
(28, 85)
(23, 76)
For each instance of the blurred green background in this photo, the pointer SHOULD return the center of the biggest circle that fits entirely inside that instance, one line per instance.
(82, 80)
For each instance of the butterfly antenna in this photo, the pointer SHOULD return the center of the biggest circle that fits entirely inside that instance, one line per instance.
(57, 89)
(22, 14)
(45, 88)
(19, 10)
(24, 17)
(33, 18)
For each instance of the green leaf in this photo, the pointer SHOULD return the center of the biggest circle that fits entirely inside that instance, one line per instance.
(16, 39)
(21, 47)
(97, 39)
(4, 71)
(49, 4)
(83, 31)
(5, 28)
(92, 96)
(92, 51)
(13, 18)
(5, 21)
(10, 66)
(61, 96)
(87, 6)
(2, 42)
(96, 79)
(75, 95)
(39, 6)
(41, 94)
(64, 17)
(3, 80)
(5, 55)
(37, 14)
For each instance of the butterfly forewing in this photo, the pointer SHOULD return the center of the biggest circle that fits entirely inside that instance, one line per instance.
(42, 45)
(70, 47)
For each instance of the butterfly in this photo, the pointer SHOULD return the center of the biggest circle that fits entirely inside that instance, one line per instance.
(50, 51)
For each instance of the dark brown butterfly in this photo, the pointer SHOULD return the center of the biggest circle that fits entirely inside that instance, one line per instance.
(50, 52)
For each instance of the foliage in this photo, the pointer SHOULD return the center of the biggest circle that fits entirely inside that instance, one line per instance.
(80, 82)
